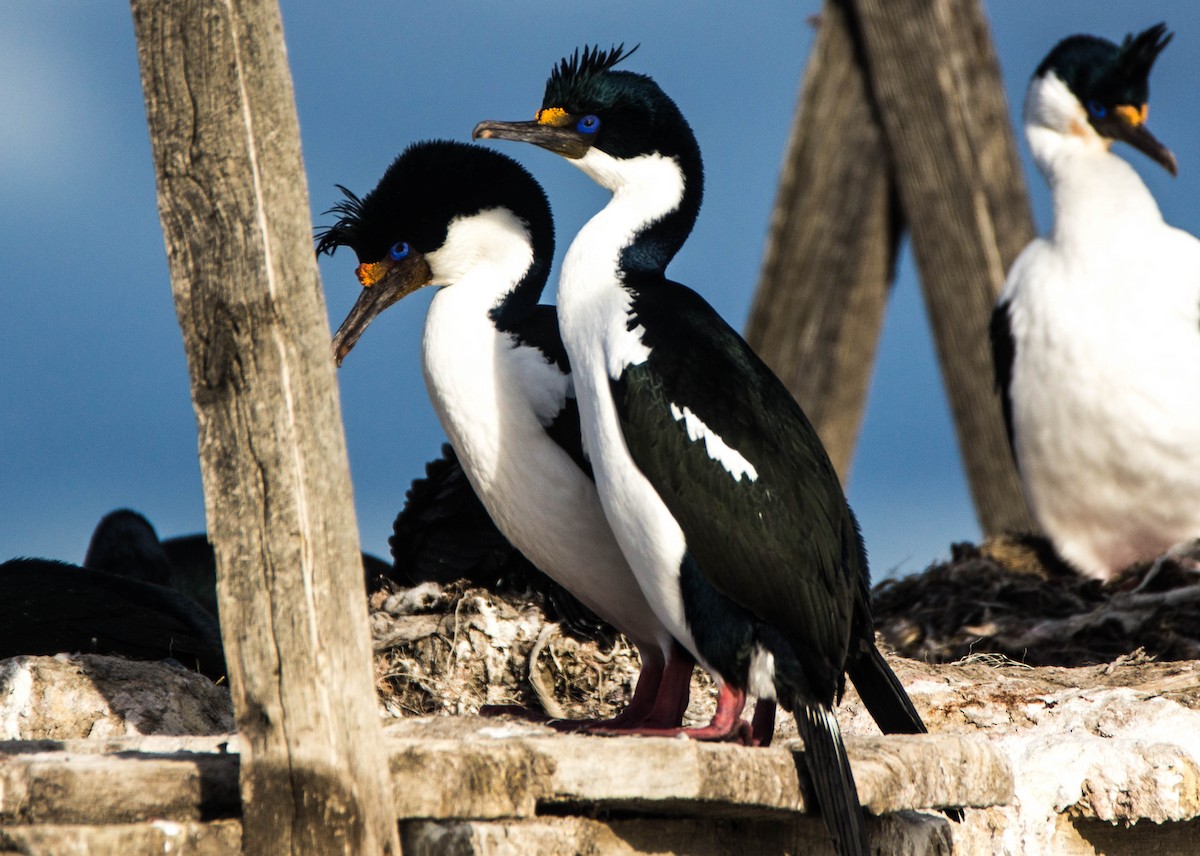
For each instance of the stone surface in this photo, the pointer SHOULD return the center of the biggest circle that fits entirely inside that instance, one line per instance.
(464, 769)
(1102, 759)
(909, 834)
(488, 769)
(128, 787)
(220, 838)
(87, 695)
(1093, 749)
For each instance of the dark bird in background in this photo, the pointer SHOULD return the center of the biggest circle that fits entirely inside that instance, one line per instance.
(136, 596)
(718, 488)
(53, 607)
(125, 543)
(1096, 337)
(476, 223)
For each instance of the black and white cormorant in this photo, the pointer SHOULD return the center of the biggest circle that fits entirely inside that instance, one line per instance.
(717, 486)
(475, 222)
(1096, 336)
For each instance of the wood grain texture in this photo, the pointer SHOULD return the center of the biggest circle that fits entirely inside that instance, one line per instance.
(831, 250)
(234, 208)
(936, 84)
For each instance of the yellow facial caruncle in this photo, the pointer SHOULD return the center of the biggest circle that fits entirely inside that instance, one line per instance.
(555, 116)
(1134, 115)
(369, 273)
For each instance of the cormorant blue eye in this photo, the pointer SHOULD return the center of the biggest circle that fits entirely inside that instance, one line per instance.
(589, 124)
(1098, 110)
(398, 251)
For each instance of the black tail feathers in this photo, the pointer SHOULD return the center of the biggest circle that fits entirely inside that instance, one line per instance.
(832, 781)
(885, 698)
(882, 692)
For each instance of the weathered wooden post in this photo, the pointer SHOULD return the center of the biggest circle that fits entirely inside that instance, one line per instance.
(936, 83)
(234, 209)
(831, 250)
(903, 123)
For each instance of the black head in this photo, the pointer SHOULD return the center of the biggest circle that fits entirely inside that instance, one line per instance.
(590, 105)
(599, 117)
(425, 189)
(396, 227)
(1112, 82)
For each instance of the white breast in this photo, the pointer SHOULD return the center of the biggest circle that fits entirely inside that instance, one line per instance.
(593, 316)
(493, 399)
(1106, 415)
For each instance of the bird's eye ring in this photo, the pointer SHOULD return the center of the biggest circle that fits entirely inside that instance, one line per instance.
(589, 124)
(398, 251)
(1098, 110)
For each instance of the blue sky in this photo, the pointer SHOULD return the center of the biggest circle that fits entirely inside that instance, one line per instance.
(95, 410)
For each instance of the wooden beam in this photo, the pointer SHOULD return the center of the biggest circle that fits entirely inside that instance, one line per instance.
(936, 84)
(831, 250)
(235, 214)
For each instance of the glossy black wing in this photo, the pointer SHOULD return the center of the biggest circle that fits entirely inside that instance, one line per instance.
(742, 470)
(1004, 351)
(444, 533)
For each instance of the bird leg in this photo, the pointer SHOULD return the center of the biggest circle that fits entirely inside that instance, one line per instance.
(672, 698)
(762, 727)
(645, 695)
(659, 699)
(726, 725)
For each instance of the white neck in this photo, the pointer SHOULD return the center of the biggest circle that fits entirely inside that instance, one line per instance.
(1096, 192)
(592, 308)
(490, 251)
(645, 189)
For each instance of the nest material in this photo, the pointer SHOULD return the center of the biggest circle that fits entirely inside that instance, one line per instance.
(455, 649)
(458, 648)
(452, 650)
(1013, 596)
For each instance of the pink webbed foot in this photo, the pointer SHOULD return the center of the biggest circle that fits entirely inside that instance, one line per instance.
(726, 725)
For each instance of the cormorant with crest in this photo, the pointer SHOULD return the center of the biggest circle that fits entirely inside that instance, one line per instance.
(716, 485)
(476, 223)
(1096, 336)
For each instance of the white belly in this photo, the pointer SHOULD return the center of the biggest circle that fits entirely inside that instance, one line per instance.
(538, 497)
(1106, 413)
(647, 532)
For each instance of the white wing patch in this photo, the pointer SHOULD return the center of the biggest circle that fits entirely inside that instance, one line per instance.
(543, 383)
(730, 458)
(628, 349)
(761, 681)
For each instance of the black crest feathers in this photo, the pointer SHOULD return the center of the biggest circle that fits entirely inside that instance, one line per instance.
(1139, 52)
(425, 189)
(577, 71)
(342, 233)
(1097, 69)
